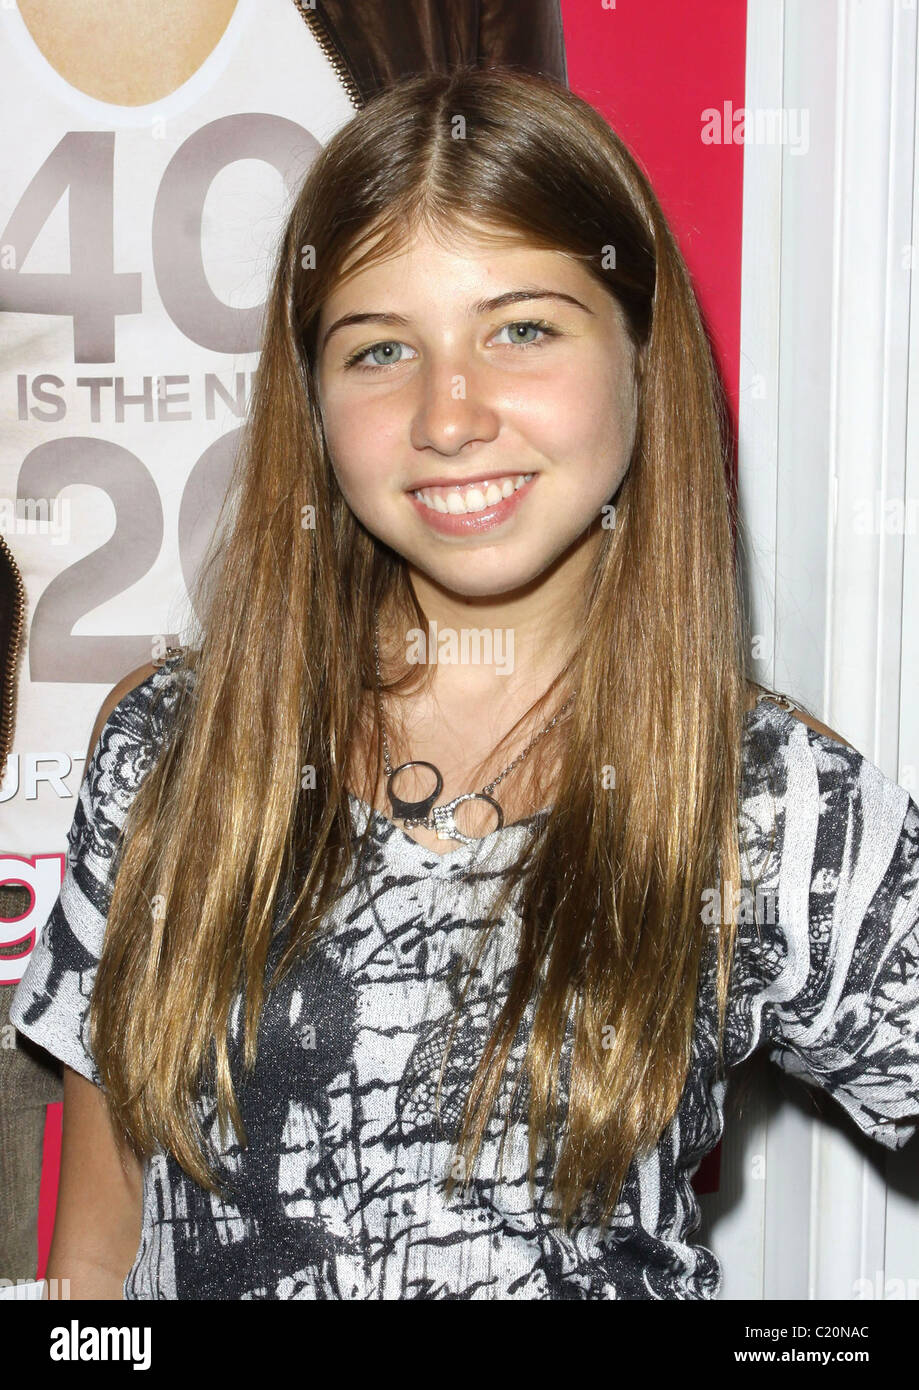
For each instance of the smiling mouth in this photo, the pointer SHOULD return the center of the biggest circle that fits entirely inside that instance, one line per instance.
(457, 499)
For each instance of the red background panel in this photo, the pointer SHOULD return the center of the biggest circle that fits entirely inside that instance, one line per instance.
(652, 67)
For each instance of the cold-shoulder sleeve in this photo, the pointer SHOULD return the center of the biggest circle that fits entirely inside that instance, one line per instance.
(51, 1002)
(841, 998)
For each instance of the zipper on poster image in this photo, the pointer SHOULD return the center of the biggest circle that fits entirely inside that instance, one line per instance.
(8, 676)
(317, 27)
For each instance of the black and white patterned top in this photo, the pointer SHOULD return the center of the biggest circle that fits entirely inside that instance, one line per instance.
(339, 1194)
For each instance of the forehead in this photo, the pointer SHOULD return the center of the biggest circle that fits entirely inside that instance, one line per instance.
(459, 262)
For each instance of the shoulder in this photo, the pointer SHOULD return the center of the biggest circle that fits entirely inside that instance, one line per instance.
(812, 797)
(135, 696)
(807, 791)
(759, 694)
(132, 728)
(819, 728)
(115, 697)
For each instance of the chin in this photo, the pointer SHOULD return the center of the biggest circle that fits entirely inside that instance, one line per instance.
(487, 586)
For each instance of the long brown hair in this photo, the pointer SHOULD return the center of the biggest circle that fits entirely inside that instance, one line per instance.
(611, 931)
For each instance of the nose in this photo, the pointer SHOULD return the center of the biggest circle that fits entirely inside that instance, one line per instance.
(452, 409)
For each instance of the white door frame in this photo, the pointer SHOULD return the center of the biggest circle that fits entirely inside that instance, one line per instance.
(828, 433)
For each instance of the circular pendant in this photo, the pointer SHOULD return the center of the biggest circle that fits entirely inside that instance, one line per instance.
(413, 810)
(445, 820)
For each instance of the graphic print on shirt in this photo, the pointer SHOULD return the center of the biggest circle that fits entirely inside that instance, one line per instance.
(340, 1192)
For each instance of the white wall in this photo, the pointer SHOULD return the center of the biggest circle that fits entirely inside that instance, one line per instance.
(829, 422)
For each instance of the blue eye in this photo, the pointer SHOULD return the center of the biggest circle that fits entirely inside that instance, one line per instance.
(385, 354)
(516, 332)
(389, 352)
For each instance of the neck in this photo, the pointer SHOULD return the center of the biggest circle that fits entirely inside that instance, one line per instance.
(494, 646)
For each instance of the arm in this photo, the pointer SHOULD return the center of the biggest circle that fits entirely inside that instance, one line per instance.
(100, 1198)
(99, 1203)
(841, 992)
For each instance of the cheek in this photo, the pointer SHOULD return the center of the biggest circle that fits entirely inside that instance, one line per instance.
(576, 417)
(362, 433)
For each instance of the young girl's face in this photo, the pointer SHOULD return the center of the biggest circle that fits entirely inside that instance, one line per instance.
(477, 365)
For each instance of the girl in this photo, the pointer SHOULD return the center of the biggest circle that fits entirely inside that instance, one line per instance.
(416, 911)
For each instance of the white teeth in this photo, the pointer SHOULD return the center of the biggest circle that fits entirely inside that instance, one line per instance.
(476, 497)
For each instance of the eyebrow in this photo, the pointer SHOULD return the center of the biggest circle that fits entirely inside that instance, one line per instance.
(481, 306)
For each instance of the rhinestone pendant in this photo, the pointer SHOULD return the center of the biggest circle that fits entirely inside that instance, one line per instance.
(445, 822)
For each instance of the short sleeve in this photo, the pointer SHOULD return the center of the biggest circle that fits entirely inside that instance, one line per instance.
(51, 1002)
(844, 1010)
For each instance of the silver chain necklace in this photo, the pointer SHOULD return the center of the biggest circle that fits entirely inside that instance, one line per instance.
(441, 819)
